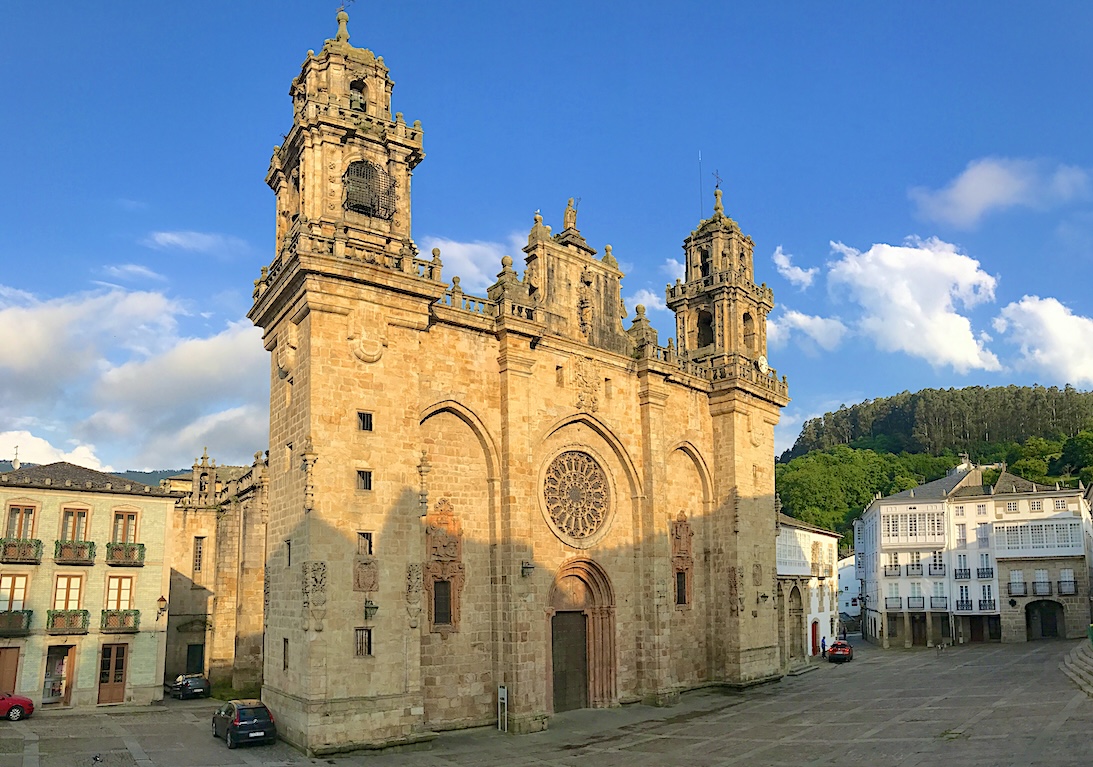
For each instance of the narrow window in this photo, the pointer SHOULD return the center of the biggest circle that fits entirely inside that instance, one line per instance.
(199, 553)
(125, 527)
(364, 480)
(681, 587)
(364, 544)
(364, 421)
(364, 642)
(74, 525)
(442, 602)
(559, 375)
(284, 654)
(288, 552)
(20, 522)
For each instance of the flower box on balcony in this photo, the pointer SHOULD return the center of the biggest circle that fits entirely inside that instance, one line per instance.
(74, 552)
(22, 551)
(67, 621)
(15, 623)
(125, 554)
(120, 621)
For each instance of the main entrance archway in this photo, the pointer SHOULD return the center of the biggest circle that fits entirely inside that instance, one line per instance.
(1044, 620)
(582, 636)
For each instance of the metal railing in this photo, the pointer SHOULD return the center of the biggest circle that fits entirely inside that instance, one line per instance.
(916, 603)
(963, 605)
(1018, 589)
(892, 571)
(962, 573)
(120, 621)
(74, 552)
(24, 551)
(1041, 588)
(67, 621)
(893, 603)
(937, 569)
(939, 603)
(984, 572)
(15, 623)
(1068, 588)
(915, 569)
(988, 604)
(125, 554)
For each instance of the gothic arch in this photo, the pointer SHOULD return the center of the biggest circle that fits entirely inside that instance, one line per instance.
(475, 424)
(608, 436)
(687, 448)
(581, 585)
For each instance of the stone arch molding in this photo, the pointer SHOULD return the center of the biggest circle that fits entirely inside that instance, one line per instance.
(477, 427)
(581, 585)
(688, 449)
(605, 432)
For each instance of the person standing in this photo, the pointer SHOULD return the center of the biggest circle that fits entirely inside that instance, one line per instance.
(823, 647)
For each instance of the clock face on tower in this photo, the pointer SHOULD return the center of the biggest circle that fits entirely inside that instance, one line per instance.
(761, 363)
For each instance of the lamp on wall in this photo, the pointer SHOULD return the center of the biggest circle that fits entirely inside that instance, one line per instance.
(370, 609)
(761, 598)
(526, 569)
(161, 607)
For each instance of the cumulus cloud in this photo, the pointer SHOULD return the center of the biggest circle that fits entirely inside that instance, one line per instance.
(476, 263)
(909, 295)
(196, 242)
(996, 183)
(674, 268)
(132, 272)
(783, 262)
(34, 449)
(1052, 340)
(647, 298)
(825, 332)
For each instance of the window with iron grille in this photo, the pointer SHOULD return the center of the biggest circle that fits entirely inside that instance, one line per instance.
(364, 642)
(364, 480)
(442, 602)
(681, 587)
(364, 544)
(199, 553)
(369, 190)
(364, 421)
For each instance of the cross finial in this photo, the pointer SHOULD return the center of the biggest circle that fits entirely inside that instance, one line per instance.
(717, 177)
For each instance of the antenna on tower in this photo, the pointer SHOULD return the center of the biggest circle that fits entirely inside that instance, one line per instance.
(15, 463)
(700, 209)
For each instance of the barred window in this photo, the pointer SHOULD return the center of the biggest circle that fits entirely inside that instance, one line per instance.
(364, 642)
(364, 480)
(369, 190)
(681, 587)
(442, 602)
(364, 544)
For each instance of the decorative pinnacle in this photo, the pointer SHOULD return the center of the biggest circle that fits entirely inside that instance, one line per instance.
(717, 206)
(343, 31)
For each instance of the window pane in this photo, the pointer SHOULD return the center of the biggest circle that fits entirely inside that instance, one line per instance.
(442, 602)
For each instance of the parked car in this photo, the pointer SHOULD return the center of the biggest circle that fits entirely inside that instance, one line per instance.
(191, 686)
(244, 721)
(840, 651)
(15, 707)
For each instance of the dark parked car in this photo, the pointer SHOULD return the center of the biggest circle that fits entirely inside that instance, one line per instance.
(244, 721)
(15, 707)
(191, 686)
(840, 651)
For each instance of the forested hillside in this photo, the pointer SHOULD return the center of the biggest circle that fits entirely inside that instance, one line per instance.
(961, 420)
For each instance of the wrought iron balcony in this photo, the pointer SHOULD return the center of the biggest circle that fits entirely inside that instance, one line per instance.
(15, 623)
(120, 621)
(1041, 588)
(914, 569)
(916, 603)
(937, 569)
(1068, 588)
(67, 621)
(1018, 589)
(962, 573)
(74, 552)
(891, 571)
(893, 603)
(963, 605)
(939, 603)
(22, 551)
(984, 572)
(988, 604)
(125, 554)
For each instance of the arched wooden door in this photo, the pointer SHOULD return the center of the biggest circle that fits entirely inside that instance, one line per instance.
(582, 638)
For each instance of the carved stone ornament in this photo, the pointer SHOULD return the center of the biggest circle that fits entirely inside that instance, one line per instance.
(413, 593)
(366, 346)
(683, 557)
(314, 593)
(286, 352)
(366, 574)
(444, 562)
(577, 496)
(586, 378)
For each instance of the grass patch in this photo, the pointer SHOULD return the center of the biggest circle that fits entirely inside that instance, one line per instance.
(225, 691)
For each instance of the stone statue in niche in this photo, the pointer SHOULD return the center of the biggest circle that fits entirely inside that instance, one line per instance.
(584, 302)
(757, 574)
(569, 218)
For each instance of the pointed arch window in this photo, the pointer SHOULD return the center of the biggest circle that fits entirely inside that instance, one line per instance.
(749, 332)
(369, 190)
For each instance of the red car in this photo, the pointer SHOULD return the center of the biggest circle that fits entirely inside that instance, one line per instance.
(840, 651)
(15, 707)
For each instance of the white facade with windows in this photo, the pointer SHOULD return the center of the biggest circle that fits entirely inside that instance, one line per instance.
(849, 588)
(808, 589)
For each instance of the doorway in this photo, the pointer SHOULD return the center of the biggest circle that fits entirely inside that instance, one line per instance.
(9, 668)
(1043, 619)
(195, 659)
(918, 630)
(569, 653)
(112, 669)
(57, 683)
(815, 637)
(976, 622)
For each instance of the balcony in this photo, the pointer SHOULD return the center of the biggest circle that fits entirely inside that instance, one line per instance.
(937, 569)
(120, 621)
(15, 623)
(939, 603)
(891, 571)
(74, 552)
(67, 621)
(125, 554)
(916, 603)
(984, 572)
(962, 573)
(988, 605)
(1041, 588)
(1018, 589)
(893, 603)
(20, 551)
(914, 569)
(963, 605)
(961, 543)
(1068, 588)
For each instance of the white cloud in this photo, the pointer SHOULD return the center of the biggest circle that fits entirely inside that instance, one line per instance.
(647, 298)
(675, 269)
(802, 278)
(909, 295)
(476, 263)
(132, 272)
(1053, 341)
(825, 332)
(995, 183)
(34, 449)
(197, 242)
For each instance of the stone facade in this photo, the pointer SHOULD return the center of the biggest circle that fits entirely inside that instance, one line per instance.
(83, 565)
(470, 492)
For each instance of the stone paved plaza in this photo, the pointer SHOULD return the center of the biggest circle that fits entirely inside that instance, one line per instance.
(983, 705)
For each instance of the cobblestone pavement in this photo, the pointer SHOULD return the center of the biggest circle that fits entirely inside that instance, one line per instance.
(996, 705)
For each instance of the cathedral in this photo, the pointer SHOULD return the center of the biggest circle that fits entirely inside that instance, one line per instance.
(510, 503)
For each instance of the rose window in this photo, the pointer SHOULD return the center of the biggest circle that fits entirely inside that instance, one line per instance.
(576, 494)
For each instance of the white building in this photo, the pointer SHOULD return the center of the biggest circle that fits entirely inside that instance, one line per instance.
(934, 561)
(849, 589)
(807, 589)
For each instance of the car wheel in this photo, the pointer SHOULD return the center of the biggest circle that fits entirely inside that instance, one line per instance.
(214, 729)
(15, 713)
(229, 739)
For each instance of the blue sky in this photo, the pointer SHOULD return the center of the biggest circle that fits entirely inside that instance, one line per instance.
(918, 181)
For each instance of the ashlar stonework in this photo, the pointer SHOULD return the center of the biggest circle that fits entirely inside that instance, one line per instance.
(533, 475)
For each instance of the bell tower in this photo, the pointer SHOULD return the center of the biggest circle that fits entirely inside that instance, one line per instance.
(720, 311)
(343, 171)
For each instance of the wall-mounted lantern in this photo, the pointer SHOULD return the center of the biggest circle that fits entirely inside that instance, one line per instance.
(526, 569)
(370, 609)
(161, 607)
